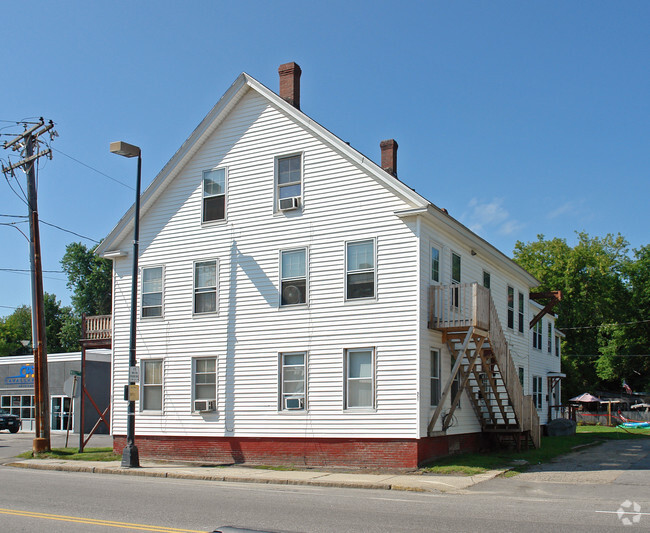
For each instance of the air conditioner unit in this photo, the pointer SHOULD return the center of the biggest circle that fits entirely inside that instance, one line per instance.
(293, 294)
(205, 405)
(288, 204)
(294, 403)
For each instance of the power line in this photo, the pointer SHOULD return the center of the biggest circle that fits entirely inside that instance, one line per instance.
(69, 231)
(94, 169)
(29, 270)
(607, 325)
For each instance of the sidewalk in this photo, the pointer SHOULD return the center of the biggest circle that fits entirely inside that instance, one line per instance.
(240, 474)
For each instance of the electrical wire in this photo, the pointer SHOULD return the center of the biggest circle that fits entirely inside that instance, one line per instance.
(69, 231)
(29, 270)
(94, 169)
(606, 325)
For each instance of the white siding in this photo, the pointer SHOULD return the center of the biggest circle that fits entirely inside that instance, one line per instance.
(341, 203)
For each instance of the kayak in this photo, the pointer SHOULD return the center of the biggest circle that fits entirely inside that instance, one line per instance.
(635, 425)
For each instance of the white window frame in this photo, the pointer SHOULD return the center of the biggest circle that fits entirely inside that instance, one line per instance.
(435, 246)
(510, 319)
(162, 293)
(521, 302)
(361, 271)
(276, 180)
(521, 371)
(538, 392)
(143, 384)
(549, 341)
(282, 395)
(455, 384)
(194, 383)
(538, 329)
(202, 290)
(225, 196)
(435, 381)
(557, 346)
(305, 249)
(487, 276)
(347, 379)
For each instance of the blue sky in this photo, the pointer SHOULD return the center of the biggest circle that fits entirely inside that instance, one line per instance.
(520, 118)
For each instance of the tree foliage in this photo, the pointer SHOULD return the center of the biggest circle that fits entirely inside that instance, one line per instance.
(89, 279)
(605, 296)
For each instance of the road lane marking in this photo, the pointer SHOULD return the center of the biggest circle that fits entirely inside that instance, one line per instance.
(97, 522)
(626, 512)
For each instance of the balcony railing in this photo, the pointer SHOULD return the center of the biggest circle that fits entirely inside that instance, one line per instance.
(459, 306)
(96, 328)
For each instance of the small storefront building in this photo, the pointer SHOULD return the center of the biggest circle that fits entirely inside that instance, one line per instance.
(64, 379)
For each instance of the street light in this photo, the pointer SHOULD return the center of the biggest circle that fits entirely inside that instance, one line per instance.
(130, 458)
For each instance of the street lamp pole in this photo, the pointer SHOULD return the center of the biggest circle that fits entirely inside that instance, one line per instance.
(130, 456)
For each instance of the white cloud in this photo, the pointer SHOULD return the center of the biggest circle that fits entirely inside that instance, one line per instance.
(483, 216)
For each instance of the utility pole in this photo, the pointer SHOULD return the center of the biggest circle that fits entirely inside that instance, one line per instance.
(29, 140)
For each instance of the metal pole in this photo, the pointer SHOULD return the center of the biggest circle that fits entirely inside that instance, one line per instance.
(130, 457)
(82, 385)
(41, 390)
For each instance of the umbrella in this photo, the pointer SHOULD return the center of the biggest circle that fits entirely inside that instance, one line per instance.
(585, 398)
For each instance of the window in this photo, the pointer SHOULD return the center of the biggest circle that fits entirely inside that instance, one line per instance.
(521, 313)
(486, 279)
(549, 341)
(522, 376)
(537, 335)
(511, 307)
(289, 177)
(204, 384)
(293, 382)
(205, 287)
(435, 377)
(455, 278)
(455, 385)
(152, 385)
(214, 194)
(360, 259)
(557, 346)
(537, 391)
(359, 378)
(293, 274)
(435, 264)
(152, 292)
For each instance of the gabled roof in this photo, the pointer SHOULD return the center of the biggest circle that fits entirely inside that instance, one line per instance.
(245, 83)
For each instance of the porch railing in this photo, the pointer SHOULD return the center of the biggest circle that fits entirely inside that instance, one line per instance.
(96, 327)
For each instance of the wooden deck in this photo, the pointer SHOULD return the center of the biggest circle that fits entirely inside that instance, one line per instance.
(96, 331)
(467, 316)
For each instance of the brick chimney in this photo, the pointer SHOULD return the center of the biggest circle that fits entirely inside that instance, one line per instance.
(290, 83)
(389, 156)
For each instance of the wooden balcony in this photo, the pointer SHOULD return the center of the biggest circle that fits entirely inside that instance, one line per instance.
(96, 331)
(468, 318)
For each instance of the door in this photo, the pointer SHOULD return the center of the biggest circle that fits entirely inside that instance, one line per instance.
(61, 413)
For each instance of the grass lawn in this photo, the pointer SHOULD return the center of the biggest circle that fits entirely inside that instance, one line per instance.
(470, 464)
(72, 454)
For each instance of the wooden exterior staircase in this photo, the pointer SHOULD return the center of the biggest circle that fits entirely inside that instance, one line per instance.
(466, 315)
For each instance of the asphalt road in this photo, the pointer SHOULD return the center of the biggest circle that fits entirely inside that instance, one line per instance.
(579, 493)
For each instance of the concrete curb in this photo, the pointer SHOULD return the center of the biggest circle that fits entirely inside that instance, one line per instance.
(410, 483)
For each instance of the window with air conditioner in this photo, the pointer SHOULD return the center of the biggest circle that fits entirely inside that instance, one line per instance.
(360, 268)
(293, 277)
(288, 182)
(204, 384)
(293, 381)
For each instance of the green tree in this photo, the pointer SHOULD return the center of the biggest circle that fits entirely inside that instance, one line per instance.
(89, 279)
(15, 328)
(592, 276)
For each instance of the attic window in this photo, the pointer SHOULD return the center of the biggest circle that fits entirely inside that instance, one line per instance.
(214, 194)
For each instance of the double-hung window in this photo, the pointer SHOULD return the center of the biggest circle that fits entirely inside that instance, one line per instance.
(289, 179)
(486, 279)
(359, 378)
(537, 335)
(293, 381)
(550, 337)
(435, 377)
(360, 269)
(152, 385)
(214, 194)
(204, 379)
(511, 307)
(205, 287)
(152, 292)
(455, 278)
(435, 264)
(537, 391)
(293, 274)
(455, 386)
(521, 313)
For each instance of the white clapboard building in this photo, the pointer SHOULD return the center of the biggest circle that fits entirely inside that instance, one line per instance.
(298, 303)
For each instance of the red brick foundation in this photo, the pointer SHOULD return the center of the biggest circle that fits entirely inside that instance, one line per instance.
(321, 452)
